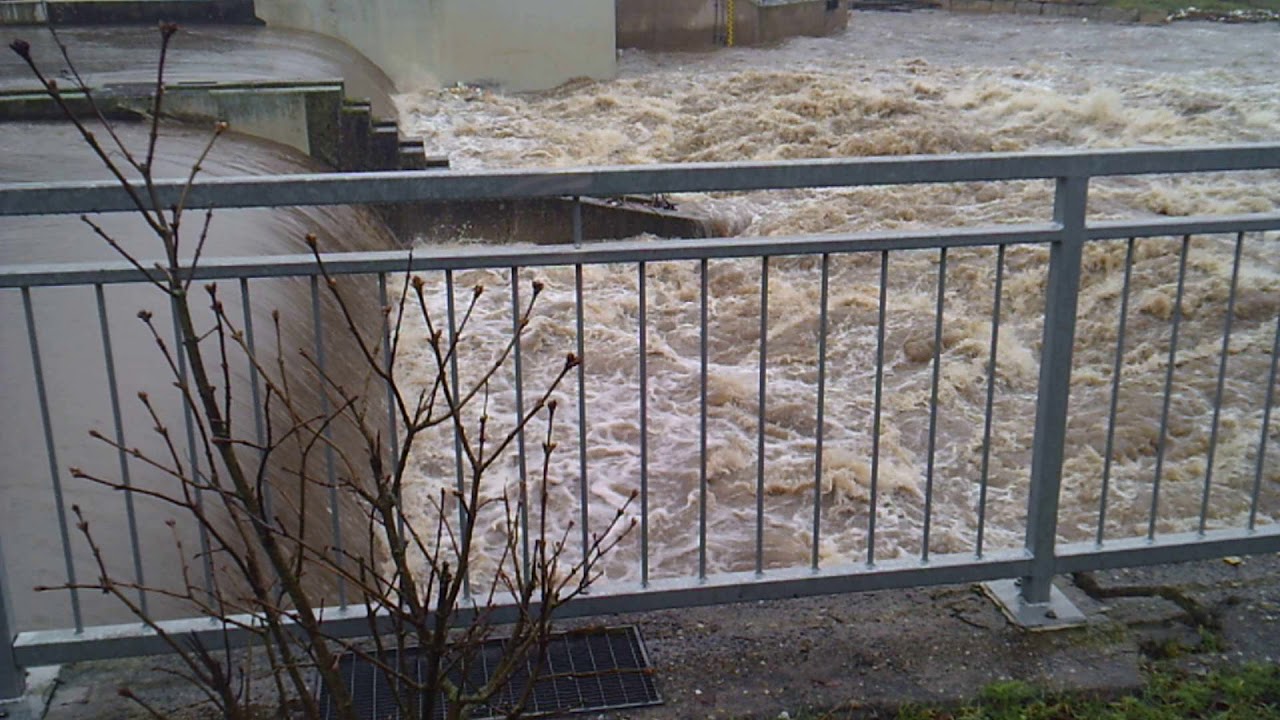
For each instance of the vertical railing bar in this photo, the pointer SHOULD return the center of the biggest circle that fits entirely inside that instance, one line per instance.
(517, 330)
(819, 431)
(255, 394)
(644, 423)
(388, 366)
(991, 397)
(12, 678)
(455, 349)
(393, 424)
(1266, 425)
(180, 350)
(1168, 386)
(255, 391)
(577, 221)
(879, 407)
(351, 685)
(1222, 380)
(113, 388)
(1116, 372)
(335, 507)
(702, 419)
(760, 410)
(51, 451)
(584, 498)
(583, 494)
(933, 401)
(375, 675)
(1062, 289)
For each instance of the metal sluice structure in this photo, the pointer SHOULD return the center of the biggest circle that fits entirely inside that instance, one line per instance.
(1023, 576)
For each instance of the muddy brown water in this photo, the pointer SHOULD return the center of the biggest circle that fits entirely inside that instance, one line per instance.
(893, 84)
(896, 84)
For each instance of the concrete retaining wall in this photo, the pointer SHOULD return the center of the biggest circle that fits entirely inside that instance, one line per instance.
(700, 24)
(313, 118)
(529, 45)
(108, 12)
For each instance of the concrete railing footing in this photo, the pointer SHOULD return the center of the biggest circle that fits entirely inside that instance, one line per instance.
(1059, 613)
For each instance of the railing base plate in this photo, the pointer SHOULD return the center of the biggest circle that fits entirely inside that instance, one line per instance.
(19, 709)
(1057, 614)
(40, 683)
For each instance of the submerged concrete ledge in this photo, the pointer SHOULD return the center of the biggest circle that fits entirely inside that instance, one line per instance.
(546, 221)
(316, 119)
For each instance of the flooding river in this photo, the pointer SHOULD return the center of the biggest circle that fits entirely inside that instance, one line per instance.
(898, 84)
(893, 84)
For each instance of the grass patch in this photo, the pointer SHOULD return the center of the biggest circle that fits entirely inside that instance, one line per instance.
(1251, 692)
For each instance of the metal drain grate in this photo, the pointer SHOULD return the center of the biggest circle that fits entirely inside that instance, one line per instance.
(587, 670)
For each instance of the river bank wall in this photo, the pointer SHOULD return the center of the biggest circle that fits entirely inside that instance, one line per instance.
(705, 24)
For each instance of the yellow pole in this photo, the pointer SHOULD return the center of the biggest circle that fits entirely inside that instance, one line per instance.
(728, 36)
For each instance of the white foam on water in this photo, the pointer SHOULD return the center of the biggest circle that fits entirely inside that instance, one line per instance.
(893, 85)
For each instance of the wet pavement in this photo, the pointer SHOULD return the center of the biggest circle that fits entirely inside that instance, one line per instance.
(867, 654)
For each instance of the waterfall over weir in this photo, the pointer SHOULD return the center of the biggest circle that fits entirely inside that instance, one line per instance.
(67, 322)
(68, 328)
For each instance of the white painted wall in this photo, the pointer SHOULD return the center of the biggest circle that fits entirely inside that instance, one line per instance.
(519, 44)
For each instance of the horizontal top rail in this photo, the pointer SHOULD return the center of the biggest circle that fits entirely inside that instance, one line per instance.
(1189, 225)
(626, 251)
(471, 257)
(429, 185)
(49, 647)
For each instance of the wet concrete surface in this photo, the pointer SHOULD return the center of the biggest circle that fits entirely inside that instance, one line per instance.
(199, 53)
(865, 655)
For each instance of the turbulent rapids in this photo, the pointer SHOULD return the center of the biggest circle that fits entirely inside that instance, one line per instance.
(894, 84)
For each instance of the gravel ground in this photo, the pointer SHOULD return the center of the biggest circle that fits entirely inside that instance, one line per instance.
(862, 655)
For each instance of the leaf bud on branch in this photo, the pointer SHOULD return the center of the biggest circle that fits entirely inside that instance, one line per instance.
(22, 48)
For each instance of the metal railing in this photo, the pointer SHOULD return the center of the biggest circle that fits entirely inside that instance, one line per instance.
(1066, 235)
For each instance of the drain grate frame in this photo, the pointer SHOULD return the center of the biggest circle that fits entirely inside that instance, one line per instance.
(588, 670)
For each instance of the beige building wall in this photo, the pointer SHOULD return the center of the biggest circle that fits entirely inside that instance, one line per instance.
(525, 45)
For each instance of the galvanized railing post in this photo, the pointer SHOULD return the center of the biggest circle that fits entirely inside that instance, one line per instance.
(1032, 600)
(12, 678)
